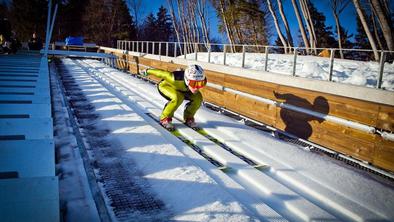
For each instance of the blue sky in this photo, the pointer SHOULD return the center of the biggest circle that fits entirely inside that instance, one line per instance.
(348, 17)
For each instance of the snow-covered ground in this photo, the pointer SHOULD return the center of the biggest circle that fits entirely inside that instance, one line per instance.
(344, 70)
(295, 185)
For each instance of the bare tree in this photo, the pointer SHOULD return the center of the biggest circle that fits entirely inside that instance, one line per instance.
(135, 6)
(174, 20)
(288, 33)
(300, 24)
(385, 22)
(282, 39)
(182, 20)
(225, 23)
(201, 9)
(375, 28)
(361, 15)
(192, 21)
(309, 24)
(337, 7)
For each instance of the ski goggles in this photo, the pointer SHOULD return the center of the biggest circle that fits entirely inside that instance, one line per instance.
(197, 84)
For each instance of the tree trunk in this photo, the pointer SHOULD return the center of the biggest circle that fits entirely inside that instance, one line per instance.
(185, 31)
(225, 23)
(193, 20)
(237, 32)
(361, 15)
(309, 25)
(339, 33)
(201, 6)
(300, 24)
(135, 6)
(288, 33)
(385, 23)
(337, 7)
(376, 33)
(282, 39)
(174, 21)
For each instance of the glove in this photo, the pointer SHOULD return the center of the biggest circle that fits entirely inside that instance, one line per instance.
(144, 72)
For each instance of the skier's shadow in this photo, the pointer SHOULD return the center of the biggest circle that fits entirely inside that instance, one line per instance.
(297, 123)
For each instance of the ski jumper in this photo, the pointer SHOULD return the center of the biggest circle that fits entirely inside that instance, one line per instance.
(174, 89)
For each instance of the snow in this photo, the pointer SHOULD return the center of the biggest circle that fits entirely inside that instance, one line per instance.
(344, 70)
(190, 194)
(74, 191)
(193, 189)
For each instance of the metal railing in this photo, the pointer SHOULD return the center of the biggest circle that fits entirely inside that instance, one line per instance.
(294, 60)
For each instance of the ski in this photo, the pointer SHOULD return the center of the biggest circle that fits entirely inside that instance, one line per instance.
(175, 132)
(224, 146)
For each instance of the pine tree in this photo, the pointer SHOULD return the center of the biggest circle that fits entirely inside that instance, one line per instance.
(324, 34)
(5, 26)
(244, 21)
(69, 19)
(106, 21)
(95, 21)
(164, 25)
(124, 27)
(361, 39)
(28, 16)
(159, 27)
(149, 29)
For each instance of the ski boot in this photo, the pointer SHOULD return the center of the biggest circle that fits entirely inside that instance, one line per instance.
(167, 123)
(191, 123)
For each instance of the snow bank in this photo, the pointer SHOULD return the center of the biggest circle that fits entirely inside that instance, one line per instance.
(344, 71)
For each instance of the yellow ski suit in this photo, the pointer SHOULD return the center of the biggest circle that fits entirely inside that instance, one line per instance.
(173, 88)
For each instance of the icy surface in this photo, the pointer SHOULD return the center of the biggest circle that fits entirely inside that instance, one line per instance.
(190, 189)
(189, 193)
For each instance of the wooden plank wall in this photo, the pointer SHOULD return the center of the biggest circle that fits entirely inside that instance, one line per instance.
(349, 141)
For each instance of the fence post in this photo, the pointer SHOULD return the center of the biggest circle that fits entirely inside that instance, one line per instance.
(332, 56)
(184, 50)
(128, 48)
(160, 48)
(266, 59)
(295, 61)
(243, 56)
(153, 47)
(381, 70)
(195, 51)
(167, 49)
(224, 54)
(209, 53)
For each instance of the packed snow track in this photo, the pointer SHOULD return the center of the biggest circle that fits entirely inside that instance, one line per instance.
(146, 172)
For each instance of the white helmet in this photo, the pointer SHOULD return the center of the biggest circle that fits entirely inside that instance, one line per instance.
(194, 72)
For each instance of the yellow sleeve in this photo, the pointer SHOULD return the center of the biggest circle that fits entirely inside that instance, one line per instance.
(166, 75)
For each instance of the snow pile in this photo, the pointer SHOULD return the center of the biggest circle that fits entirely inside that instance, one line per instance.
(344, 71)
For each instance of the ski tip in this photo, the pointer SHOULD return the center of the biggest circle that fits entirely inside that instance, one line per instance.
(261, 166)
(225, 169)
